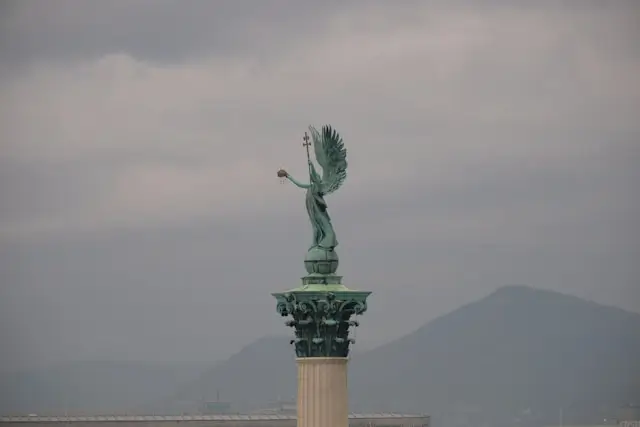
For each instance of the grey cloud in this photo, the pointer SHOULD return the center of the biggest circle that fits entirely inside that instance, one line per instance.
(492, 146)
(163, 31)
(97, 295)
(169, 31)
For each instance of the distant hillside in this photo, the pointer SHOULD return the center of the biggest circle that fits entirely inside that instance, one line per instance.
(519, 348)
(519, 351)
(93, 387)
(258, 374)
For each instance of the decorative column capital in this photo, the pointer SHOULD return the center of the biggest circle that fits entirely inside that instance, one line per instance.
(322, 317)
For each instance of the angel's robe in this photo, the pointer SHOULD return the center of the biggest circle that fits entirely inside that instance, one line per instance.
(323, 234)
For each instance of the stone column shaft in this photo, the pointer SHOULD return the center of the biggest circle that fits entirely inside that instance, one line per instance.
(322, 392)
(321, 316)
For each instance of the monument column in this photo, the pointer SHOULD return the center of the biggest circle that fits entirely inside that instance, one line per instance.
(322, 391)
(321, 318)
(322, 309)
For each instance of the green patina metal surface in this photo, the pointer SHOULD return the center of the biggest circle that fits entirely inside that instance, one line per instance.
(322, 309)
(322, 317)
(332, 157)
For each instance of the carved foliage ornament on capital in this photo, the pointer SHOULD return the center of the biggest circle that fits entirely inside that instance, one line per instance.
(321, 323)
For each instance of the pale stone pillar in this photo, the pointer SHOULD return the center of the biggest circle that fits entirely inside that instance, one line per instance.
(322, 392)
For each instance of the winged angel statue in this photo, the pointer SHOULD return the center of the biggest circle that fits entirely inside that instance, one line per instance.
(332, 157)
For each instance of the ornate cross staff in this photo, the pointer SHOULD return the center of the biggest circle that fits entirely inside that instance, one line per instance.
(306, 144)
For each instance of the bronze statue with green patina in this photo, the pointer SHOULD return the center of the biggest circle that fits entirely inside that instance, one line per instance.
(321, 311)
(332, 157)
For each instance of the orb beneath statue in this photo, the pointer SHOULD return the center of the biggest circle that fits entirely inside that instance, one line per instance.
(321, 261)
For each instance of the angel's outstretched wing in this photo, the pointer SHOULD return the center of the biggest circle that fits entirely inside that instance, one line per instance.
(332, 156)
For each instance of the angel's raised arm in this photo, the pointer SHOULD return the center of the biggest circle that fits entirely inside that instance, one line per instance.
(298, 184)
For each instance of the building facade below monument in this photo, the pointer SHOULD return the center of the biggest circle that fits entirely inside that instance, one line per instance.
(355, 420)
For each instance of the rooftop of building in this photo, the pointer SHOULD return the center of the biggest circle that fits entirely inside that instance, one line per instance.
(147, 418)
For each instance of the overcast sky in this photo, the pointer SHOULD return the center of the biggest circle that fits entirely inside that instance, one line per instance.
(141, 218)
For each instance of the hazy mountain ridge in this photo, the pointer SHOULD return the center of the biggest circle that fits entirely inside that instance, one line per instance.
(515, 349)
(252, 378)
(93, 386)
(518, 348)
